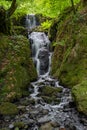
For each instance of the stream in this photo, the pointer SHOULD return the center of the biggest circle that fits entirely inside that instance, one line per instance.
(35, 112)
(64, 115)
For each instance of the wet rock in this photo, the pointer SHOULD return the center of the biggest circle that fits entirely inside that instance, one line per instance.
(43, 56)
(31, 88)
(84, 121)
(46, 126)
(72, 104)
(31, 121)
(43, 120)
(7, 118)
(21, 108)
(55, 124)
(62, 128)
(19, 124)
(24, 102)
(51, 100)
(45, 112)
(49, 94)
(32, 101)
(11, 126)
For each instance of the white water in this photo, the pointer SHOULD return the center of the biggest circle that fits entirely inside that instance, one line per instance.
(30, 21)
(40, 42)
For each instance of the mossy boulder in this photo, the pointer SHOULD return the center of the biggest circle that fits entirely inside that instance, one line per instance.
(16, 67)
(69, 61)
(50, 94)
(7, 108)
(80, 96)
(20, 124)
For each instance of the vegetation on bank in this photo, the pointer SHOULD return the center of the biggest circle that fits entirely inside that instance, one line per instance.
(16, 66)
(69, 62)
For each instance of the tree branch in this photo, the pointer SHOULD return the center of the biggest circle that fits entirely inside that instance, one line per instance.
(12, 9)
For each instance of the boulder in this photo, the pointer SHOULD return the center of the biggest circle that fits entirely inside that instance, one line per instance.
(43, 56)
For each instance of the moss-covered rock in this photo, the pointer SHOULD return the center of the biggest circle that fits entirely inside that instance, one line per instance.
(69, 61)
(16, 67)
(80, 96)
(7, 108)
(50, 94)
(20, 125)
(49, 90)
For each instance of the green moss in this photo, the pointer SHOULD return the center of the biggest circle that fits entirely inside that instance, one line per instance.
(8, 109)
(49, 94)
(19, 124)
(49, 90)
(16, 67)
(72, 55)
(69, 61)
(80, 96)
(51, 100)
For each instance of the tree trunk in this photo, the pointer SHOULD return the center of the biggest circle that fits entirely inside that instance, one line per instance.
(5, 23)
(73, 7)
(13, 7)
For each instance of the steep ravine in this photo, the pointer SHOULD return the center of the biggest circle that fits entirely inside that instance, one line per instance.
(49, 106)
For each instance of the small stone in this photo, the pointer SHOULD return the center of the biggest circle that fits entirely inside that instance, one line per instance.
(62, 128)
(44, 119)
(46, 126)
(45, 112)
(54, 124)
(11, 126)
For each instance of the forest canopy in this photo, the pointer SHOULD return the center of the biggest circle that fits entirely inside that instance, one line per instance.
(47, 7)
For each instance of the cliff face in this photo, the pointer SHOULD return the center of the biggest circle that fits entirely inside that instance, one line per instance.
(16, 67)
(69, 61)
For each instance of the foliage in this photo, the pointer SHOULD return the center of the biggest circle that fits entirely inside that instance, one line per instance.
(69, 62)
(46, 7)
(46, 24)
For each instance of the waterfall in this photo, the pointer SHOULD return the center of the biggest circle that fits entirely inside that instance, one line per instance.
(30, 21)
(63, 113)
(40, 45)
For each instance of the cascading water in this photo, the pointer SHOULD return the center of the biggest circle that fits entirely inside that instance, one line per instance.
(30, 21)
(40, 47)
(40, 51)
(63, 114)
